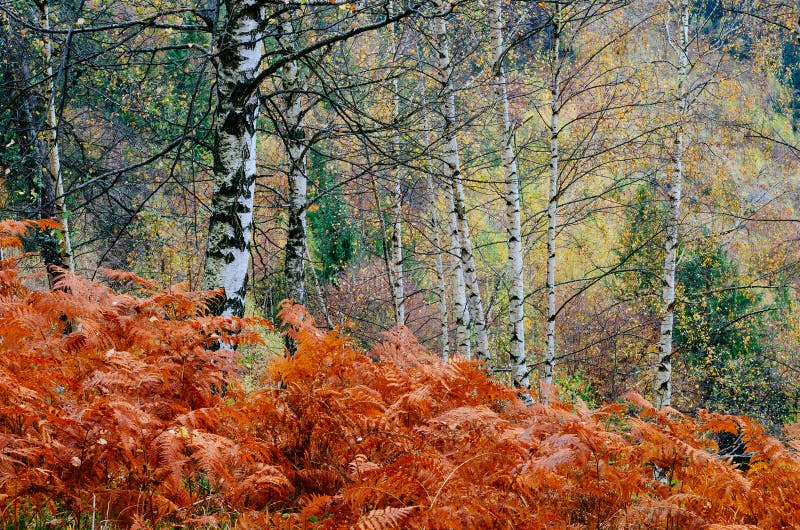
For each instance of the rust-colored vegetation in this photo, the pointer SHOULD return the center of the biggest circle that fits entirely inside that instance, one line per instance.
(120, 410)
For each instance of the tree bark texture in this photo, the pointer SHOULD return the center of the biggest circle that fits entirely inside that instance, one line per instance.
(516, 296)
(664, 367)
(461, 245)
(552, 202)
(231, 218)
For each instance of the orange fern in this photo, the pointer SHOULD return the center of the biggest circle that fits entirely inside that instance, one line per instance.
(135, 409)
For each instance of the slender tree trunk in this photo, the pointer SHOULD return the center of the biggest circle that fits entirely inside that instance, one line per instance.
(230, 224)
(294, 135)
(471, 276)
(53, 155)
(516, 296)
(398, 291)
(664, 367)
(380, 214)
(433, 215)
(458, 285)
(441, 289)
(36, 175)
(460, 240)
(451, 172)
(552, 204)
(318, 290)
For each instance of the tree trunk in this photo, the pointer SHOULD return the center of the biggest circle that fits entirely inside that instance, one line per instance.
(516, 296)
(35, 173)
(398, 291)
(441, 289)
(294, 136)
(461, 246)
(664, 367)
(458, 285)
(471, 275)
(230, 224)
(552, 205)
(65, 258)
(451, 170)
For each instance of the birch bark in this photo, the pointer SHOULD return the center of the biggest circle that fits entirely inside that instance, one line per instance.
(441, 289)
(294, 136)
(438, 249)
(51, 138)
(451, 170)
(552, 204)
(516, 297)
(664, 366)
(471, 275)
(463, 343)
(231, 219)
(398, 290)
(461, 245)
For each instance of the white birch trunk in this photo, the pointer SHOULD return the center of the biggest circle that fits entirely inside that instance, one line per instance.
(441, 289)
(552, 204)
(398, 290)
(294, 137)
(460, 240)
(230, 224)
(53, 156)
(462, 320)
(451, 170)
(664, 367)
(433, 216)
(471, 276)
(516, 296)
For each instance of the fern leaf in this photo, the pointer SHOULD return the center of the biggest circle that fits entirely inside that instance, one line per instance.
(384, 518)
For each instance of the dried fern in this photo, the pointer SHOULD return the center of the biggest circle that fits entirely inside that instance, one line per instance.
(138, 412)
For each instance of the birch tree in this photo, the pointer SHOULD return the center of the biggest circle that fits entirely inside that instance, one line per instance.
(434, 224)
(230, 224)
(441, 288)
(467, 301)
(680, 46)
(471, 274)
(516, 296)
(553, 197)
(585, 94)
(398, 291)
(240, 74)
(451, 169)
(292, 132)
(53, 151)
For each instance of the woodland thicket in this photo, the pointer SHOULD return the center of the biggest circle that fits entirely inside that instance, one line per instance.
(597, 196)
(119, 408)
(432, 263)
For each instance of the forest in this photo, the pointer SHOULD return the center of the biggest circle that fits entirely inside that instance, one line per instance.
(384, 264)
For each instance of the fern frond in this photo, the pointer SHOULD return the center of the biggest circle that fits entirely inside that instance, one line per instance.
(384, 518)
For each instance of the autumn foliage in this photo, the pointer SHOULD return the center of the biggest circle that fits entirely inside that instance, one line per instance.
(122, 409)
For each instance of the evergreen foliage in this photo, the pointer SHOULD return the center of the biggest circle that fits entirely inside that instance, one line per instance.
(330, 220)
(721, 333)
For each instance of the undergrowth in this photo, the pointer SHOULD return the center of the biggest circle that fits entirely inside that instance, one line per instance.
(119, 409)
